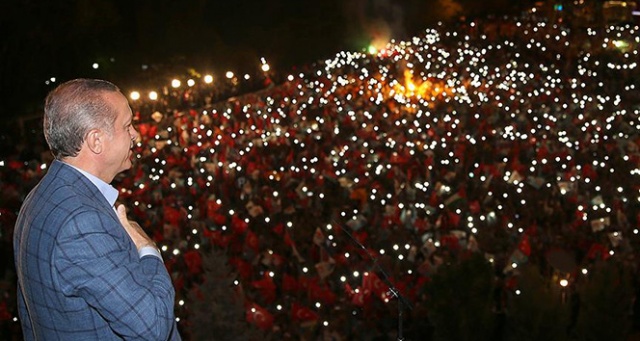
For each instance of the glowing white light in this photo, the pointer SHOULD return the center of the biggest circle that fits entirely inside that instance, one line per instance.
(134, 95)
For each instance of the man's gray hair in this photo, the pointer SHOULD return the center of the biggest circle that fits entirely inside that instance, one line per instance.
(74, 108)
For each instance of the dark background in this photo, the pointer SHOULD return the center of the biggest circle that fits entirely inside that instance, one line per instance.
(42, 39)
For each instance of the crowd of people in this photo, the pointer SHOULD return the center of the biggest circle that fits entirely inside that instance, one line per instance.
(516, 138)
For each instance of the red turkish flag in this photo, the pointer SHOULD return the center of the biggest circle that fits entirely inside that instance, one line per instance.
(324, 295)
(525, 246)
(193, 260)
(172, 216)
(251, 241)
(219, 219)
(302, 313)
(243, 267)
(454, 220)
(361, 236)
(450, 241)
(359, 297)
(239, 226)
(279, 229)
(143, 129)
(598, 250)
(259, 316)
(421, 225)
(266, 287)
(212, 208)
(433, 199)
(147, 130)
(474, 207)
(372, 283)
(288, 240)
(348, 289)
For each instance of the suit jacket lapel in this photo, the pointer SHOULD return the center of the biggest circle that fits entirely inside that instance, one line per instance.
(71, 175)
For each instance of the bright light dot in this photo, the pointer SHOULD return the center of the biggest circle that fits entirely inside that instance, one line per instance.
(134, 95)
(208, 79)
(95, 66)
(564, 282)
(176, 83)
(153, 95)
(229, 74)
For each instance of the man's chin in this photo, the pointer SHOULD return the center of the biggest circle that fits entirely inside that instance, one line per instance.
(126, 166)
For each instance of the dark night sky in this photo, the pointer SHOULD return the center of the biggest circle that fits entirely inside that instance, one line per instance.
(62, 39)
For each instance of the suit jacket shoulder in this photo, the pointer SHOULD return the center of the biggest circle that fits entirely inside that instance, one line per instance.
(79, 274)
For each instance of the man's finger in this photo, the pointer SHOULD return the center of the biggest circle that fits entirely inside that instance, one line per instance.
(122, 213)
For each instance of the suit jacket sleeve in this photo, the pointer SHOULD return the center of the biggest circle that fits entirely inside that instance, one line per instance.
(97, 261)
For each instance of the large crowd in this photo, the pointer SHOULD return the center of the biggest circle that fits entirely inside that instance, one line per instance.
(367, 165)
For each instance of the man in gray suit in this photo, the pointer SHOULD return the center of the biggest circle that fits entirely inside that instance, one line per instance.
(85, 272)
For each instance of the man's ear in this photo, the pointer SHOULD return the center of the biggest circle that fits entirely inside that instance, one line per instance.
(95, 140)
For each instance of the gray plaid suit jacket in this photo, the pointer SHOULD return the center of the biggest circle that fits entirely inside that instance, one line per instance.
(79, 274)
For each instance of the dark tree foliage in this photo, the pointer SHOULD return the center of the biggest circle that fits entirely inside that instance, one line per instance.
(538, 311)
(460, 300)
(605, 303)
(216, 311)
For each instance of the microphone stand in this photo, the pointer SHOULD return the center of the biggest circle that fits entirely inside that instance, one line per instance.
(402, 302)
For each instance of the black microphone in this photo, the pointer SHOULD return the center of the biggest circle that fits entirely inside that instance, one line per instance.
(402, 301)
